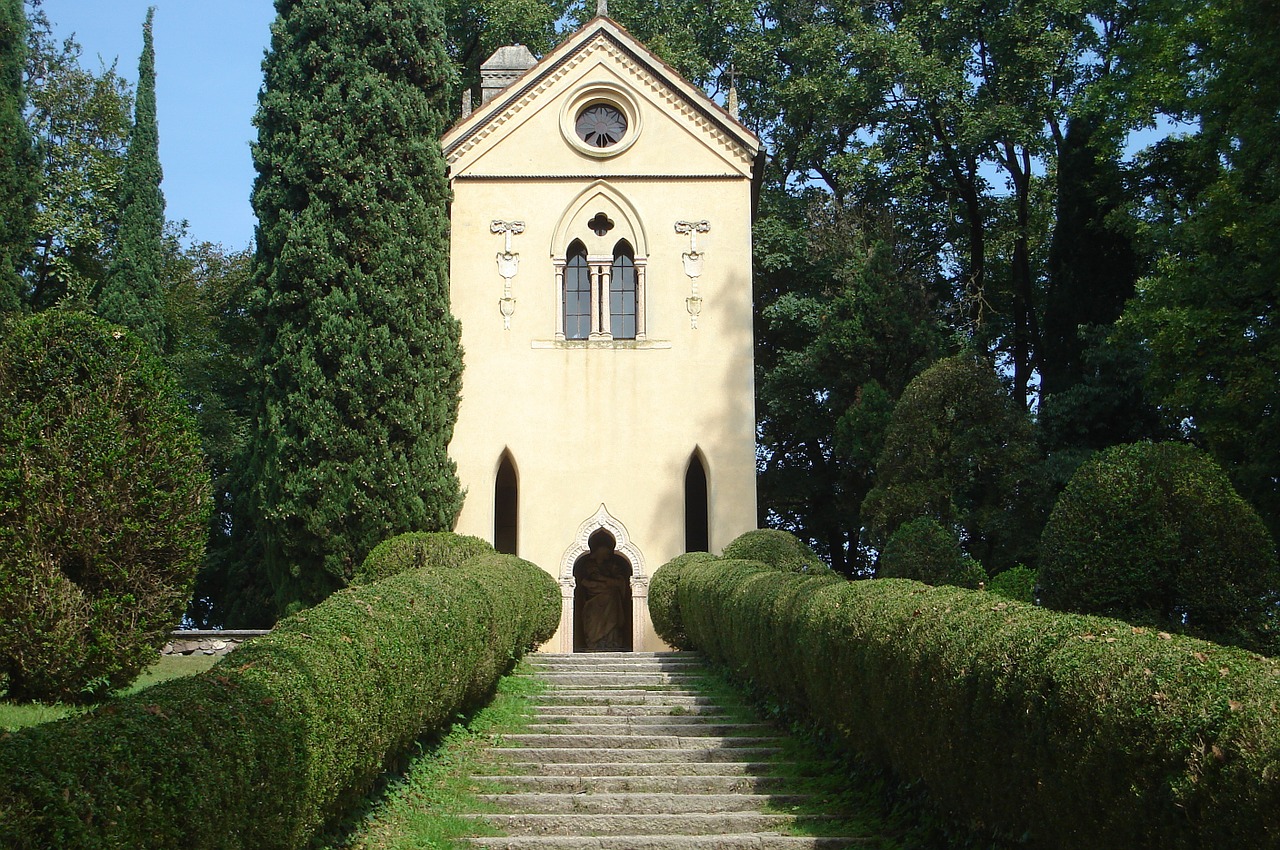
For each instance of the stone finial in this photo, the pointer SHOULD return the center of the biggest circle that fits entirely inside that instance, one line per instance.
(602, 8)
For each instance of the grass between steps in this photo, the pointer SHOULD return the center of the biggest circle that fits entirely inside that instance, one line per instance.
(849, 797)
(423, 807)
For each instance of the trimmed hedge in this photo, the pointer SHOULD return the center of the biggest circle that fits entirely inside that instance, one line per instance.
(925, 551)
(416, 550)
(285, 734)
(779, 549)
(1071, 730)
(664, 612)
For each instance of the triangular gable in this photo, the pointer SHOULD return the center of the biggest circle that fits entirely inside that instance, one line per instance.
(723, 131)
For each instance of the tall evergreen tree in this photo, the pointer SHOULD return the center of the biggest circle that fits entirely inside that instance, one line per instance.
(18, 173)
(359, 359)
(132, 295)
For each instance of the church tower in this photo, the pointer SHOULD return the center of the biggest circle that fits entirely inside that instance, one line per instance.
(601, 269)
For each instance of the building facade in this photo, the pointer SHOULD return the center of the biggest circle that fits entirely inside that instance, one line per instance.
(601, 270)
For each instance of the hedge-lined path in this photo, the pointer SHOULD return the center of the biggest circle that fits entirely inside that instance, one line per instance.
(627, 751)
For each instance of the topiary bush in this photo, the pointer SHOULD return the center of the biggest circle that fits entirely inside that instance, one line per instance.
(663, 611)
(1154, 533)
(779, 549)
(104, 503)
(415, 550)
(1016, 583)
(925, 551)
(1073, 732)
(286, 734)
(960, 449)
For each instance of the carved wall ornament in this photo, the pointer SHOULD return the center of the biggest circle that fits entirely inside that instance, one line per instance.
(508, 266)
(693, 263)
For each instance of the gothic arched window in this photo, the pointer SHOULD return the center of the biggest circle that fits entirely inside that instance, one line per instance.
(577, 293)
(622, 292)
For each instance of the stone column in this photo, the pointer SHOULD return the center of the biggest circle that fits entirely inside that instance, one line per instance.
(567, 586)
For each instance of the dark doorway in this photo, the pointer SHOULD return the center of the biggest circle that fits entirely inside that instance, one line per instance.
(505, 507)
(697, 536)
(602, 598)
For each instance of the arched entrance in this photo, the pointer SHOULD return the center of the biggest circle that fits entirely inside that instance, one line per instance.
(602, 547)
(602, 598)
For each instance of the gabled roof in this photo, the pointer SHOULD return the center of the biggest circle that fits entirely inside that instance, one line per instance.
(467, 129)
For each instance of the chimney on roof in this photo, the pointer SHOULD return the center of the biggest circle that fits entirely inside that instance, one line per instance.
(503, 68)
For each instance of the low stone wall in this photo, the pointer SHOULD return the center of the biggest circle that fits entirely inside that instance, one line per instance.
(207, 642)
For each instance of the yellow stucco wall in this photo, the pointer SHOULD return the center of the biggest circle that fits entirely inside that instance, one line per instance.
(605, 424)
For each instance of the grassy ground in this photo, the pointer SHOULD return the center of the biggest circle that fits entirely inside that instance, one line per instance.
(17, 715)
(420, 809)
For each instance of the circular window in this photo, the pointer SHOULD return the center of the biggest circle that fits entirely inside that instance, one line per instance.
(601, 125)
(600, 119)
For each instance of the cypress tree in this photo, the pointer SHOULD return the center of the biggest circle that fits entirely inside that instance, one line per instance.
(359, 362)
(132, 295)
(18, 169)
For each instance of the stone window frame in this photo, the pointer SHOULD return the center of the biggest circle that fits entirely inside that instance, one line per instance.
(600, 270)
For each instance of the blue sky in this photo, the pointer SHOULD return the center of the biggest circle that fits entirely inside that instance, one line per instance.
(208, 72)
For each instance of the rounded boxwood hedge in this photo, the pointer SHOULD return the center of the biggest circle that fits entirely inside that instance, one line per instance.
(418, 549)
(104, 504)
(1070, 731)
(779, 549)
(1154, 533)
(285, 734)
(663, 611)
(925, 551)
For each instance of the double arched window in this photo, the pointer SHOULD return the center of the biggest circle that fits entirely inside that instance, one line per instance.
(601, 297)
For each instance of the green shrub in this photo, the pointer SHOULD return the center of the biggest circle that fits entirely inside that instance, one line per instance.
(925, 551)
(779, 549)
(416, 550)
(104, 501)
(1016, 583)
(960, 449)
(663, 611)
(1154, 533)
(284, 735)
(1073, 731)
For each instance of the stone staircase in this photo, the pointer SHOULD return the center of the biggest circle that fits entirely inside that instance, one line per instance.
(625, 753)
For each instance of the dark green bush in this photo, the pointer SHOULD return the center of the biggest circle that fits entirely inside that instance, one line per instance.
(104, 501)
(1016, 583)
(1073, 731)
(1154, 533)
(925, 551)
(416, 550)
(960, 449)
(779, 549)
(663, 611)
(285, 734)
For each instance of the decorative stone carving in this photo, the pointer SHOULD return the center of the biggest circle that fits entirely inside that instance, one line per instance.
(693, 263)
(508, 266)
(623, 546)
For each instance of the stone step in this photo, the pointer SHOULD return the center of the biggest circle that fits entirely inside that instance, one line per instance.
(638, 803)
(595, 755)
(635, 742)
(682, 726)
(551, 713)
(636, 679)
(653, 823)
(671, 842)
(646, 768)
(601, 697)
(648, 783)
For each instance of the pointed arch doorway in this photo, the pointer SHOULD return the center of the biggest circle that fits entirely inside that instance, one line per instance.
(604, 589)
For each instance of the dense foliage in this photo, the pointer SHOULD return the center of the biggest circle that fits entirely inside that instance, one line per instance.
(286, 734)
(358, 357)
(960, 450)
(103, 504)
(1154, 533)
(925, 551)
(18, 174)
(416, 550)
(778, 549)
(1064, 730)
(133, 295)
